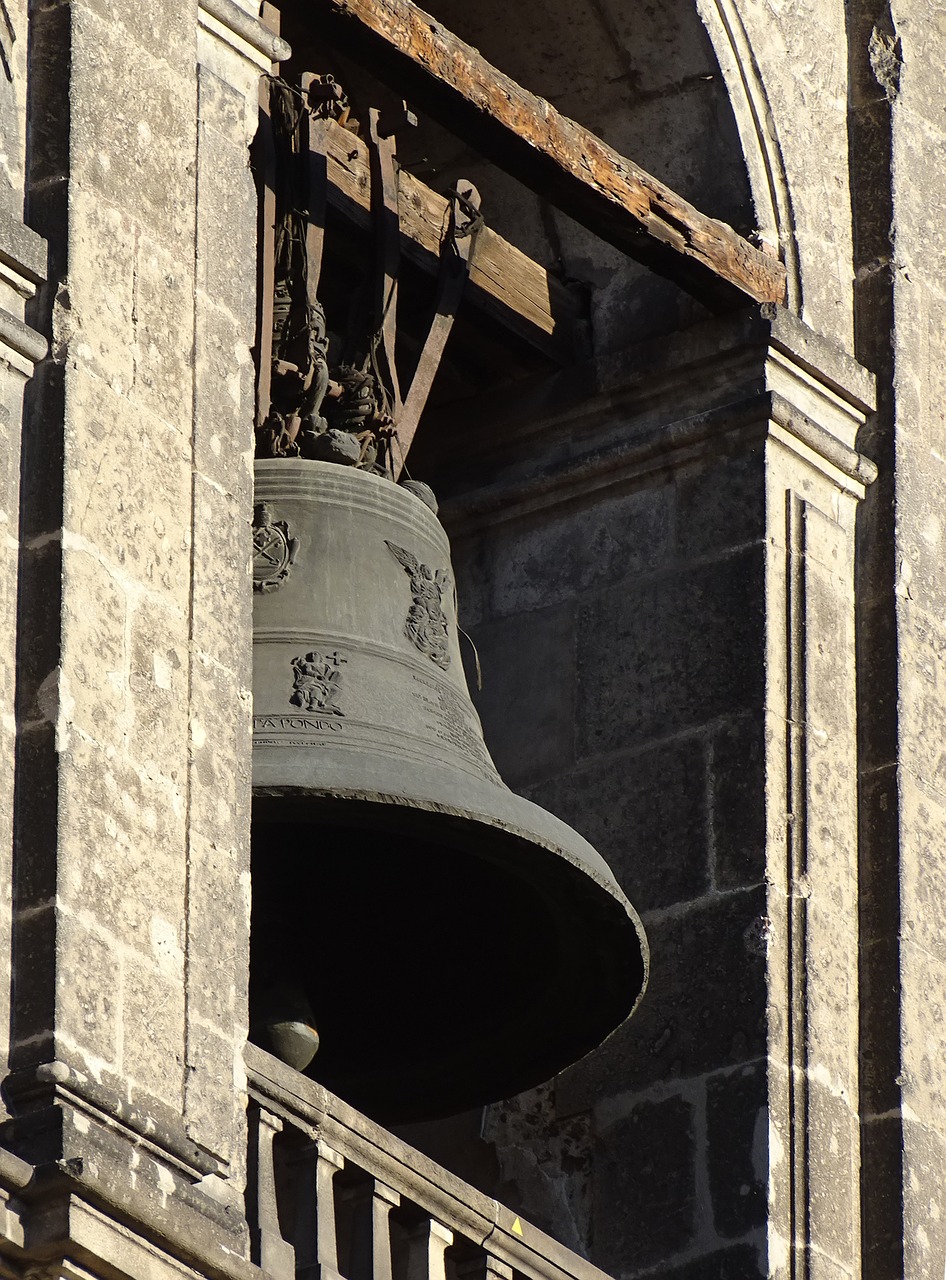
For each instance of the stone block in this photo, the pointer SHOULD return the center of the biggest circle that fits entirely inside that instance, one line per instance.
(222, 594)
(923, 1035)
(163, 333)
(527, 700)
(832, 996)
(924, 1201)
(97, 316)
(128, 492)
(737, 1148)
(225, 109)
(646, 814)
(219, 927)
(225, 403)
(703, 1010)
(722, 506)
(923, 696)
(168, 32)
(923, 814)
(833, 1164)
(158, 670)
(220, 754)
(645, 1186)
(538, 563)
(153, 1032)
(671, 653)
(741, 1262)
(471, 556)
(89, 994)
(544, 1162)
(122, 852)
(93, 686)
(212, 1111)
(920, 204)
(737, 779)
(145, 143)
(226, 224)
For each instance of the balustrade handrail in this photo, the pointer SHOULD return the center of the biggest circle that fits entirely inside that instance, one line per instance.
(294, 1100)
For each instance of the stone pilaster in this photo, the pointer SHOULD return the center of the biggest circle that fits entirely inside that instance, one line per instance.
(22, 271)
(132, 853)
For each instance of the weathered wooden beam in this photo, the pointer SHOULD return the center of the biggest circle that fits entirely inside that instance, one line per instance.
(522, 133)
(503, 280)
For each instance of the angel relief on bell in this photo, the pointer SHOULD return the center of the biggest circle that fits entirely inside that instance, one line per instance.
(426, 625)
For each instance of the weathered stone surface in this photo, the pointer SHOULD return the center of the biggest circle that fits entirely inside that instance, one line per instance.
(225, 378)
(141, 525)
(742, 1262)
(704, 1007)
(646, 1209)
(709, 621)
(737, 1138)
(539, 564)
(833, 1195)
(737, 778)
(527, 701)
(646, 813)
(722, 507)
(546, 1162)
(88, 1016)
(153, 1023)
(145, 139)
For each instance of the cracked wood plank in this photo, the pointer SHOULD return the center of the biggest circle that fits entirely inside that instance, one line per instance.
(503, 281)
(561, 160)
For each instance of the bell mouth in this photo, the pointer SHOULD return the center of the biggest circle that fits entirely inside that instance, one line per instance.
(449, 959)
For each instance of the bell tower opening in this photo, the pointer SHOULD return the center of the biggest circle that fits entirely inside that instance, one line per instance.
(443, 942)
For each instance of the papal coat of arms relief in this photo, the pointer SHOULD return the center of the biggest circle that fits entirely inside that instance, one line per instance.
(274, 549)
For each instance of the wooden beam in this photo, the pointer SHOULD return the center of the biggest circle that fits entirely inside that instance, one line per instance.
(503, 281)
(561, 160)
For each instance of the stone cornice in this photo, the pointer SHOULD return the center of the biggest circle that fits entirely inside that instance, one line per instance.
(721, 386)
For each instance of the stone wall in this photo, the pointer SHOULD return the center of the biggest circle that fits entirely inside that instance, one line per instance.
(130, 880)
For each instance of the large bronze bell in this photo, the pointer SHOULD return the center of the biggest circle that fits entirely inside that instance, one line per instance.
(454, 943)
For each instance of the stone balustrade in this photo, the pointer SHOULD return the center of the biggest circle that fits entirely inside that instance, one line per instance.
(332, 1195)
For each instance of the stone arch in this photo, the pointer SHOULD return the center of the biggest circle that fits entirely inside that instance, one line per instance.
(758, 134)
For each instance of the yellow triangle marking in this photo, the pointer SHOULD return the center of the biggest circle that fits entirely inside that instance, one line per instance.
(517, 1227)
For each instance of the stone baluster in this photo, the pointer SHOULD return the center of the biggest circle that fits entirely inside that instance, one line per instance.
(275, 1256)
(427, 1244)
(371, 1245)
(317, 1241)
(496, 1270)
(483, 1266)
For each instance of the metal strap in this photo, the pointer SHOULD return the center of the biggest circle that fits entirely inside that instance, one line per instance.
(456, 252)
(384, 198)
